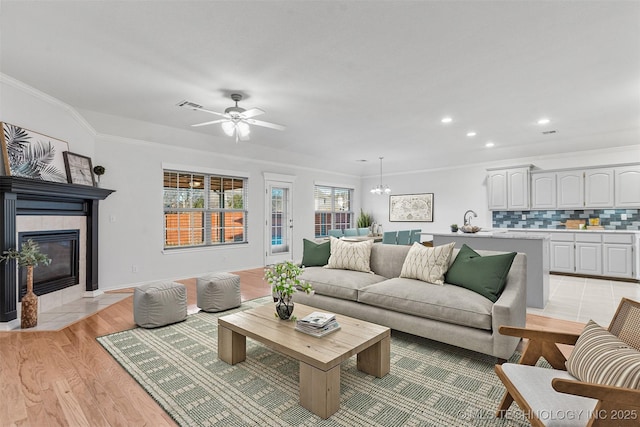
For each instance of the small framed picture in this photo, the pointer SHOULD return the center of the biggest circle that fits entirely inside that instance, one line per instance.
(79, 169)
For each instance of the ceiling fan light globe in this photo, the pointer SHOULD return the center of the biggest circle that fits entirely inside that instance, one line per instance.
(228, 128)
(243, 129)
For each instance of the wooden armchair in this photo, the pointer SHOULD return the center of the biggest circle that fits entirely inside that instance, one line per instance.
(553, 396)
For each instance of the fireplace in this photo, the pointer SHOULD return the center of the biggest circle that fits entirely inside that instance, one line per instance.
(63, 248)
(24, 197)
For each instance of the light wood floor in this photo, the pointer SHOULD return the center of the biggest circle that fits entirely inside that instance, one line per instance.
(65, 378)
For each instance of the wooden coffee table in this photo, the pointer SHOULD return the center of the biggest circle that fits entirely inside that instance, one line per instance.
(319, 358)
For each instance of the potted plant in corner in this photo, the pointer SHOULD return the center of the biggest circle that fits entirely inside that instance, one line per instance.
(284, 280)
(28, 256)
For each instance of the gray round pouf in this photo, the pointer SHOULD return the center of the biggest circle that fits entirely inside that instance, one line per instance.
(218, 292)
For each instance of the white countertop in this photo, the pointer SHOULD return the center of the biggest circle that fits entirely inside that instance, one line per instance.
(495, 234)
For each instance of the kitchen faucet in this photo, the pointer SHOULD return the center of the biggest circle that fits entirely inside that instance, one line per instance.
(468, 221)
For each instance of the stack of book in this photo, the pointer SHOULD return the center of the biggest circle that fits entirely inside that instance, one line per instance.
(318, 324)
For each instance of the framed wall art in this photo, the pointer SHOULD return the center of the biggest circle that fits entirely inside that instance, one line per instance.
(29, 154)
(79, 169)
(411, 207)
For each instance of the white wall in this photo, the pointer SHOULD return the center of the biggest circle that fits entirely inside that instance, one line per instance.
(131, 220)
(459, 189)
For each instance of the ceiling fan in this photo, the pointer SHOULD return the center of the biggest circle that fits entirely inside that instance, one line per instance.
(236, 120)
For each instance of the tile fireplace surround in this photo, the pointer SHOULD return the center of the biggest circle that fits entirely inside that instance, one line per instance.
(31, 205)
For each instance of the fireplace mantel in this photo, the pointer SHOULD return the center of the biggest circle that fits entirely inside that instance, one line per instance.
(23, 196)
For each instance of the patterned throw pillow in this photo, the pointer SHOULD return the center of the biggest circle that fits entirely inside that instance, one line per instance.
(427, 264)
(600, 357)
(350, 255)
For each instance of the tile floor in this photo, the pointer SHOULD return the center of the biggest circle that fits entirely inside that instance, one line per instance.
(64, 315)
(580, 299)
(571, 298)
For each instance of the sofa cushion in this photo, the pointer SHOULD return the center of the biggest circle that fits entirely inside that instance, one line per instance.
(315, 254)
(486, 275)
(427, 264)
(446, 303)
(602, 358)
(343, 284)
(350, 255)
(387, 260)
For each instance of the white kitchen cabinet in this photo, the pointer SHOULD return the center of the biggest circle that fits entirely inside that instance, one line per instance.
(497, 190)
(543, 190)
(588, 253)
(617, 255)
(598, 188)
(627, 187)
(570, 189)
(508, 189)
(562, 257)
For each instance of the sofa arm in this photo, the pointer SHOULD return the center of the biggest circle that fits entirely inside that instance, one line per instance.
(511, 308)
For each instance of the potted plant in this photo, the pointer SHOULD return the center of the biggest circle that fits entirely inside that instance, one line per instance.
(99, 171)
(284, 280)
(28, 256)
(454, 228)
(364, 220)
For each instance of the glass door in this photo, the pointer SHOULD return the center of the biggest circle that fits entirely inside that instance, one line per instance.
(279, 223)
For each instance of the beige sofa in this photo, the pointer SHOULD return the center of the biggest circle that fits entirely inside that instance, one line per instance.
(446, 313)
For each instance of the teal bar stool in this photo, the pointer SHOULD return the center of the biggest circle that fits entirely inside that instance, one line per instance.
(348, 232)
(337, 233)
(403, 237)
(390, 237)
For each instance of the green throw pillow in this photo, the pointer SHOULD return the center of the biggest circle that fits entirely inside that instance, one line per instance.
(486, 275)
(315, 254)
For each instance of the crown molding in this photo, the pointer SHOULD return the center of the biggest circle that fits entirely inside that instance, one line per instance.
(23, 87)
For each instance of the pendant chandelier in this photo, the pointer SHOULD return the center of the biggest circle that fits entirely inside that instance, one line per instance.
(381, 189)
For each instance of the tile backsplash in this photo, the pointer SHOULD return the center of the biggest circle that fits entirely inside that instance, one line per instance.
(610, 219)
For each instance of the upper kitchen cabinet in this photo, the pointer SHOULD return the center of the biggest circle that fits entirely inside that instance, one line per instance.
(598, 188)
(627, 186)
(570, 189)
(543, 190)
(508, 189)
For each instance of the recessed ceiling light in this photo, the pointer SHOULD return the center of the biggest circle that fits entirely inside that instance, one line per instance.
(361, 160)
(472, 133)
(446, 120)
(489, 144)
(543, 121)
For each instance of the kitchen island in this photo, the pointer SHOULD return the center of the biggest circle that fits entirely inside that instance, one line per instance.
(535, 246)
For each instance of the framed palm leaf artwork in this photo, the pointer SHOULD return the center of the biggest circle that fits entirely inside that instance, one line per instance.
(29, 154)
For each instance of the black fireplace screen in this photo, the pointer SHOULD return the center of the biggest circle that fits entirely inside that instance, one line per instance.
(62, 246)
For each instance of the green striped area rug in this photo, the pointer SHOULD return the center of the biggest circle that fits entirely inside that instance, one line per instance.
(430, 384)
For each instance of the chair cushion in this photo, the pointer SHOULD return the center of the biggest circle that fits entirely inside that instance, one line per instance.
(600, 357)
(551, 407)
(427, 264)
(486, 275)
(315, 254)
(446, 303)
(350, 255)
(343, 284)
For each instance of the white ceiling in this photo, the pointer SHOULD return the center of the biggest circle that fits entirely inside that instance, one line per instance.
(350, 79)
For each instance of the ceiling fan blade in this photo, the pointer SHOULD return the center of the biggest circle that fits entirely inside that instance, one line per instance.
(212, 122)
(210, 112)
(265, 124)
(252, 113)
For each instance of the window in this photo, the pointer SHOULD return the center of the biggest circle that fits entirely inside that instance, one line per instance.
(332, 209)
(204, 210)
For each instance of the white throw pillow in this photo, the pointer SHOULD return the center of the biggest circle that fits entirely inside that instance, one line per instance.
(350, 255)
(427, 264)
